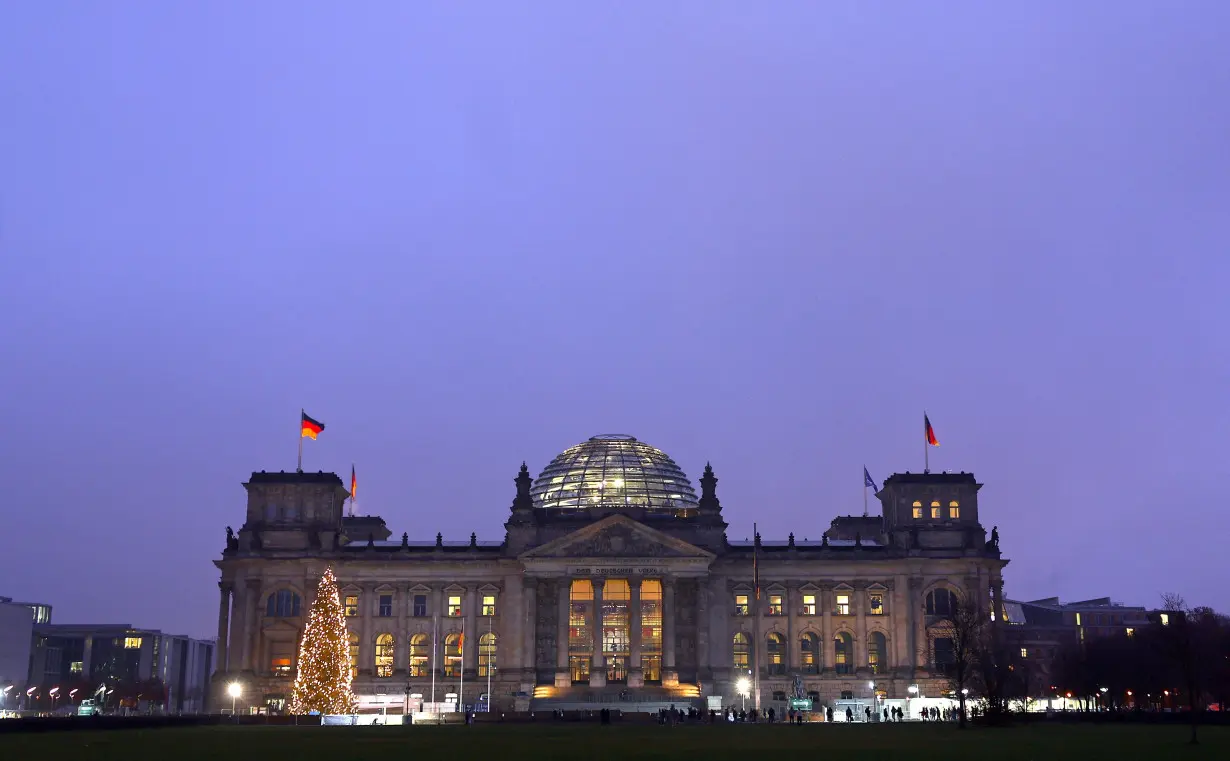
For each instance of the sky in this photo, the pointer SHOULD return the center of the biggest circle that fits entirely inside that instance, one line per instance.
(464, 235)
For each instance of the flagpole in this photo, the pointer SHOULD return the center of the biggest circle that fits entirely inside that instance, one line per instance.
(756, 619)
(864, 495)
(489, 664)
(299, 466)
(435, 637)
(926, 446)
(461, 690)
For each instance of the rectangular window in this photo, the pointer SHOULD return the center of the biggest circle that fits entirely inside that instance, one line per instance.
(488, 605)
(809, 605)
(1164, 617)
(351, 604)
(386, 606)
(420, 606)
(76, 667)
(741, 608)
(280, 666)
(1024, 652)
(1131, 632)
(454, 606)
(875, 602)
(843, 605)
(132, 643)
(775, 605)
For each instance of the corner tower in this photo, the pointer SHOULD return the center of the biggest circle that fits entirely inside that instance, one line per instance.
(932, 511)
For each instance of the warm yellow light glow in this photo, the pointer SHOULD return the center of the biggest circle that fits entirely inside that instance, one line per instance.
(322, 682)
(234, 689)
(743, 686)
(132, 643)
(917, 510)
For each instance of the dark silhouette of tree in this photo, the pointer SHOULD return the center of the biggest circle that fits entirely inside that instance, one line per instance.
(964, 626)
(1189, 639)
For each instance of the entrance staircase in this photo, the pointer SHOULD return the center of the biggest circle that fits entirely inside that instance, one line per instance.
(648, 699)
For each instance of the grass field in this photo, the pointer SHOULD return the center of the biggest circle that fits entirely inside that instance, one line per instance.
(546, 742)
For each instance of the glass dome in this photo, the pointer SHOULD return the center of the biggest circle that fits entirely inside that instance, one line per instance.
(613, 471)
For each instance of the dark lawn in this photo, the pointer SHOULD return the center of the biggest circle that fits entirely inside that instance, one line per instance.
(544, 742)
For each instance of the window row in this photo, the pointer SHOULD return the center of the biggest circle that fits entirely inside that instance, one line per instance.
(777, 657)
(419, 655)
(842, 606)
(286, 603)
(937, 511)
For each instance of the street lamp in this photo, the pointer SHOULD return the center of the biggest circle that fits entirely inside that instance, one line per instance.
(875, 707)
(234, 689)
(4, 692)
(913, 691)
(54, 693)
(743, 685)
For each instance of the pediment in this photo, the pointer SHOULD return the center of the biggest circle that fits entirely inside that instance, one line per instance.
(617, 536)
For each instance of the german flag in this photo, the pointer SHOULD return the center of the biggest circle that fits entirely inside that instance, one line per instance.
(354, 485)
(927, 430)
(309, 428)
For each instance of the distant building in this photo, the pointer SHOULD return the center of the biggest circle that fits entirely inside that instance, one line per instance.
(123, 657)
(614, 584)
(16, 624)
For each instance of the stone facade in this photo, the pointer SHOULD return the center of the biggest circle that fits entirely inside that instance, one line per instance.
(679, 610)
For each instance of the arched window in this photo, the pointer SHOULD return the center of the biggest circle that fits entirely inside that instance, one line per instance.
(418, 655)
(384, 655)
(452, 655)
(954, 510)
(877, 648)
(742, 648)
(282, 604)
(354, 655)
(843, 653)
(809, 652)
(941, 602)
(935, 511)
(917, 510)
(486, 654)
(775, 649)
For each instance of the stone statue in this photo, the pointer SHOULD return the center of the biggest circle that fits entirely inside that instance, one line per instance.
(993, 544)
(405, 539)
(371, 540)
(791, 538)
(439, 539)
(858, 539)
(796, 688)
(473, 539)
(230, 538)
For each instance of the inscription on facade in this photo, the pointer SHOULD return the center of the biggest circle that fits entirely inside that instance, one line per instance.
(625, 571)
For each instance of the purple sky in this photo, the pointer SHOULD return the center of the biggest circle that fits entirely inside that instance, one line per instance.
(468, 234)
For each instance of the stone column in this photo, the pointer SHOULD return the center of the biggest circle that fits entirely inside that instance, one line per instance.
(252, 599)
(828, 653)
(437, 638)
(670, 677)
(469, 649)
(792, 646)
(529, 636)
(224, 626)
(721, 641)
(597, 668)
(636, 676)
(401, 645)
(704, 670)
(918, 625)
(563, 677)
(997, 598)
(899, 621)
(860, 627)
(367, 651)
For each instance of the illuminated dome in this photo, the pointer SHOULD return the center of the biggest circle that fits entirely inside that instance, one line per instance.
(613, 471)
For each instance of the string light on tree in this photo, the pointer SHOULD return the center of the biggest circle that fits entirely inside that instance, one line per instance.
(322, 683)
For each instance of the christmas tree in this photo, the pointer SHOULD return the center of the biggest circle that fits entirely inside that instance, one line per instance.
(323, 681)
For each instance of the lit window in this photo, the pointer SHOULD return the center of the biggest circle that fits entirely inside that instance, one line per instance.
(775, 605)
(132, 643)
(875, 603)
(954, 510)
(418, 655)
(384, 655)
(742, 647)
(1165, 618)
(877, 646)
(917, 510)
(452, 655)
(843, 605)
(354, 655)
(935, 511)
(454, 606)
(351, 604)
(1131, 632)
(486, 654)
(489, 606)
(76, 667)
(741, 608)
(1024, 652)
(1078, 619)
(386, 606)
(809, 605)
(280, 666)
(420, 606)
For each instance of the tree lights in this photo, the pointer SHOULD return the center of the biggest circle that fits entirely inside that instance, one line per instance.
(322, 683)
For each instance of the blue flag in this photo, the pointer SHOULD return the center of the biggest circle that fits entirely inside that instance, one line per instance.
(867, 479)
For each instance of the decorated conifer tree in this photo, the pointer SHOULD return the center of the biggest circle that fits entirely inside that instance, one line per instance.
(323, 680)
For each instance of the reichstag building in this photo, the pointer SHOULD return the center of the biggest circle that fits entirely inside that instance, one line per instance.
(614, 581)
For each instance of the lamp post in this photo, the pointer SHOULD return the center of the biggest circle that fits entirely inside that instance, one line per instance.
(54, 693)
(913, 692)
(875, 707)
(743, 685)
(234, 689)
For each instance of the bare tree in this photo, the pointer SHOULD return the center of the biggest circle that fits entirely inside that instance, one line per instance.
(1186, 639)
(962, 626)
(999, 671)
